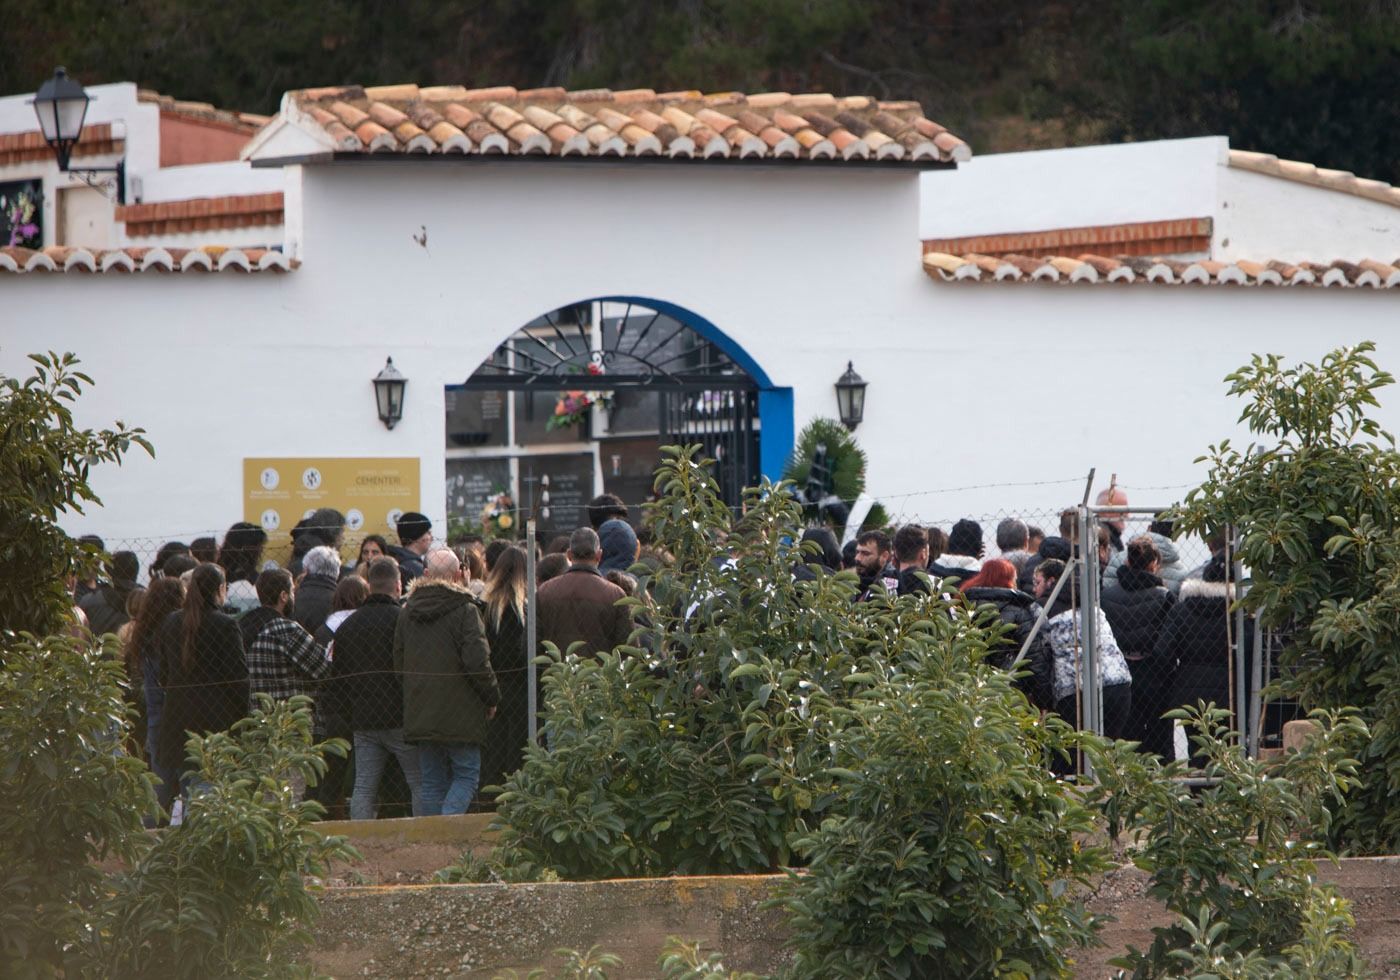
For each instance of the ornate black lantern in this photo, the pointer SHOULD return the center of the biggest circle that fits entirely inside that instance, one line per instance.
(850, 397)
(62, 105)
(388, 394)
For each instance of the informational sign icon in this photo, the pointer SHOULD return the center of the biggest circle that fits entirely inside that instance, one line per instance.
(392, 518)
(279, 491)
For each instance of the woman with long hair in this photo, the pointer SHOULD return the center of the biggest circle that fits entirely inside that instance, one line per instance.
(505, 635)
(201, 668)
(241, 558)
(141, 652)
(995, 583)
(372, 547)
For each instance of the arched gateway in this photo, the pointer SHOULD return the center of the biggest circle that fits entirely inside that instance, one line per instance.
(579, 401)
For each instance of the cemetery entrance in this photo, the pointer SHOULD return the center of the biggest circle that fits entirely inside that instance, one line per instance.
(579, 402)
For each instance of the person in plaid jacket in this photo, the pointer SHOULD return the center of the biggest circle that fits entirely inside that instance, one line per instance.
(283, 659)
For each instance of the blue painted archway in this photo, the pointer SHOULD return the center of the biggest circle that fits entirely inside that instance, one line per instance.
(777, 426)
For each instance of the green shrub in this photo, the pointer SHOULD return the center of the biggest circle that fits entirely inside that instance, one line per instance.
(226, 894)
(1316, 503)
(1235, 861)
(45, 459)
(756, 708)
(69, 798)
(956, 852)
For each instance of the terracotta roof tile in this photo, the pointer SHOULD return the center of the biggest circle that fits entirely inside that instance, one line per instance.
(201, 214)
(245, 122)
(1342, 181)
(1091, 268)
(631, 123)
(208, 258)
(99, 139)
(1136, 238)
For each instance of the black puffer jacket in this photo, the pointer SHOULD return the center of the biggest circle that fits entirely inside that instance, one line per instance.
(1196, 637)
(1136, 607)
(1020, 611)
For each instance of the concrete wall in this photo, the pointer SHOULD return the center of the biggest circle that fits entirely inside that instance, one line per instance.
(1072, 188)
(970, 384)
(1268, 217)
(482, 930)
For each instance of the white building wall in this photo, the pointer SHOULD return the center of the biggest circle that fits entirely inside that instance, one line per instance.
(970, 384)
(1271, 218)
(1076, 187)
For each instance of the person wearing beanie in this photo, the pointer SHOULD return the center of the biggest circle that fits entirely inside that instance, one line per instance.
(415, 540)
(963, 559)
(620, 546)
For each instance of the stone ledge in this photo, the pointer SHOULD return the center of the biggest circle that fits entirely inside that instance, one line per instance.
(482, 930)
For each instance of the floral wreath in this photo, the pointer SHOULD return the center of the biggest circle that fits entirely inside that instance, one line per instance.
(498, 516)
(573, 407)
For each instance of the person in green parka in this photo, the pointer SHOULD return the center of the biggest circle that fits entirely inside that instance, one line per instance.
(449, 689)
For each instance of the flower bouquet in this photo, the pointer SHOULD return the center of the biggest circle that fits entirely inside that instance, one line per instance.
(498, 516)
(572, 407)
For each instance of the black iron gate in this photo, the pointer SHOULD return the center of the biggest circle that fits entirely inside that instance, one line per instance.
(701, 395)
(723, 421)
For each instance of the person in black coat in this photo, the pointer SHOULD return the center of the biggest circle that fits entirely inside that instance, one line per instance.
(505, 634)
(1137, 605)
(1197, 636)
(201, 668)
(315, 593)
(369, 692)
(995, 584)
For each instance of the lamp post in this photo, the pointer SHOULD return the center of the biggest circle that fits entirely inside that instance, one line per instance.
(850, 397)
(388, 394)
(61, 105)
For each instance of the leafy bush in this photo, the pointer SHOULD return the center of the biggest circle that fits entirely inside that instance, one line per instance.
(1235, 862)
(1317, 506)
(957, 853)
(755, 707)
(226, 894)
(44, 464)
(69, 798)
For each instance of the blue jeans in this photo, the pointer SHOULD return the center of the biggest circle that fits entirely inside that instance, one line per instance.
(372, 751)
(451, 771)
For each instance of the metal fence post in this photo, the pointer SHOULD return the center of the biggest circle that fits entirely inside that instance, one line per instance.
(531, 620)
(1089, 552)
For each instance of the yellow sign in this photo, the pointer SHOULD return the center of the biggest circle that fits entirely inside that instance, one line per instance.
(371, 493)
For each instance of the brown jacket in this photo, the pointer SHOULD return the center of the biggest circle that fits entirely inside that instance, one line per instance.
(582, 605)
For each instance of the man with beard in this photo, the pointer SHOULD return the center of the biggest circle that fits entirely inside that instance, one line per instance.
(873, 554)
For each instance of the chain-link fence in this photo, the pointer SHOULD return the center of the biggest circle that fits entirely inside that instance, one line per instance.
(1163, 634)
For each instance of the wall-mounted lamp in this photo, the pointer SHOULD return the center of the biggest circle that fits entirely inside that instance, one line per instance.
(61, 105)
(388, 394)
(850, 397)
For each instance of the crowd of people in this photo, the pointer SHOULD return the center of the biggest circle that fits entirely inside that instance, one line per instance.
(1162, 630)
(417, 651)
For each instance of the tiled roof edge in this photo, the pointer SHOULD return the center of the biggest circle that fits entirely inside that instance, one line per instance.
(202, 214)
(1171, 236)
(1098, 269)
(247, 122)
(505, 121)
(208, 258)
(1343, 181)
